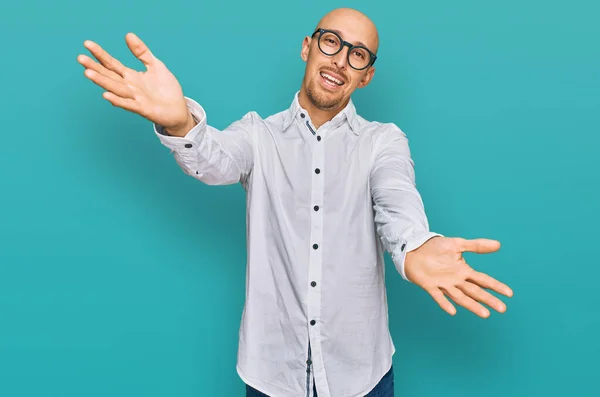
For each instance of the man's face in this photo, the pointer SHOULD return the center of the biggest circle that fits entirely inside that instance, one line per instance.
(330, 80)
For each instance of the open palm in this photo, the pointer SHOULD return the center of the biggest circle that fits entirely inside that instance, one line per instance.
(438, 266)
(154, 94)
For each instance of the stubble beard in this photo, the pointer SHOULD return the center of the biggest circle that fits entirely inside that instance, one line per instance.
(320, 99)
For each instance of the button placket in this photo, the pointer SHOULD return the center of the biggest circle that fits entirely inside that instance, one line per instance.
(316, 259)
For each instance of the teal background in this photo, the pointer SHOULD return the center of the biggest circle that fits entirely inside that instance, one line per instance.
(122, 276)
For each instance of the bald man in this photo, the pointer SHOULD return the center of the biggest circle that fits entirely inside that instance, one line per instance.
(328, 192)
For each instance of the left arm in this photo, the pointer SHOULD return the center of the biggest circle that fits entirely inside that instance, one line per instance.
(399, 211)
(425, 258)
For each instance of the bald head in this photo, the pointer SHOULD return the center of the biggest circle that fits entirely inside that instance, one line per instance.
(354, 26)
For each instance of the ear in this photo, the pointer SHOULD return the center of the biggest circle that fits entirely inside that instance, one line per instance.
(305, 48)
(367, 77)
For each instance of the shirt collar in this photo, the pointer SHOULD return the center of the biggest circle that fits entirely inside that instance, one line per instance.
(347, 114)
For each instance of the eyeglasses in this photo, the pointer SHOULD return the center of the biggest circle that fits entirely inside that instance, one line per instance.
(330, 43)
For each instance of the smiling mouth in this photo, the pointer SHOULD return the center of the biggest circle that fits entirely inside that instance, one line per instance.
(329, 79)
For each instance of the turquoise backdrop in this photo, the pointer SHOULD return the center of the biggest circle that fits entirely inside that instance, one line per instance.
(121, 276)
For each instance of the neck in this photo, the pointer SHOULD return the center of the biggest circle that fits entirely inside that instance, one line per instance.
(318, 116)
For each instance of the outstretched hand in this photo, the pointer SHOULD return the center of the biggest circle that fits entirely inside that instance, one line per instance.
(154, 94)
(439, 268)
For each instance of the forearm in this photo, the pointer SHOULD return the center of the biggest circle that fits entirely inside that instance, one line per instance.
(215, 157)
(401, 223)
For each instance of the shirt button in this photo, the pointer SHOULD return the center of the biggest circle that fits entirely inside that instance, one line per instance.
(308, 362)
(315, 246)
(312, 322)
(317, 171)
(313, 284)
(316, 207)
(188, 145)
(302, 115)
(318, 137)
(403, 246)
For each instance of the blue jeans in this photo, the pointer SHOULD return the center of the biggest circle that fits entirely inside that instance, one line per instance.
(385, 388)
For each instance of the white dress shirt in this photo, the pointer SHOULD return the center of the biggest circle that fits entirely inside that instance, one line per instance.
(322, 206)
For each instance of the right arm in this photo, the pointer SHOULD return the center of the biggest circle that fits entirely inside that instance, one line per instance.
(212, 156)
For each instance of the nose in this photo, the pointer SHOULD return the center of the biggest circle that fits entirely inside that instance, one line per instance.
(340, 60)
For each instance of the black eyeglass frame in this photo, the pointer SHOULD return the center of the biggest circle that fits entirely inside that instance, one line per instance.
(344, 43)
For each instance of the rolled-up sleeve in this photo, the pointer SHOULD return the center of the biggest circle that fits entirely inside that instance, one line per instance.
(400, 216)
(215, 157)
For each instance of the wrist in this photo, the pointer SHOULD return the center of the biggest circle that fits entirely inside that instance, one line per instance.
(409, 260)
(182, 129)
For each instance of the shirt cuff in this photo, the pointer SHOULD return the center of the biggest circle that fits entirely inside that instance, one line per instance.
(193, 136)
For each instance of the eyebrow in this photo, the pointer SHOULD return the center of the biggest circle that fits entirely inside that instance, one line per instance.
(355, 43)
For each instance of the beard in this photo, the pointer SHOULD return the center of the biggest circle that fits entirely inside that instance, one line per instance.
(320, 98)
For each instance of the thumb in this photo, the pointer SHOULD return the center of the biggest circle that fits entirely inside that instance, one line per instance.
(139, 49)
(480, 245)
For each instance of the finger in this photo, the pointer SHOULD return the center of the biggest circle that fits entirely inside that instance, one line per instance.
(479, 245)
(139, 49)
(441, 300)
(89, 63)
(488, 282)
(125, 103)
(115, 87)
(105, 58)
(468, 303)
(482, 296)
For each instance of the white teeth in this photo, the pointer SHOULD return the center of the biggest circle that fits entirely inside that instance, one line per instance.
(332, 79)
